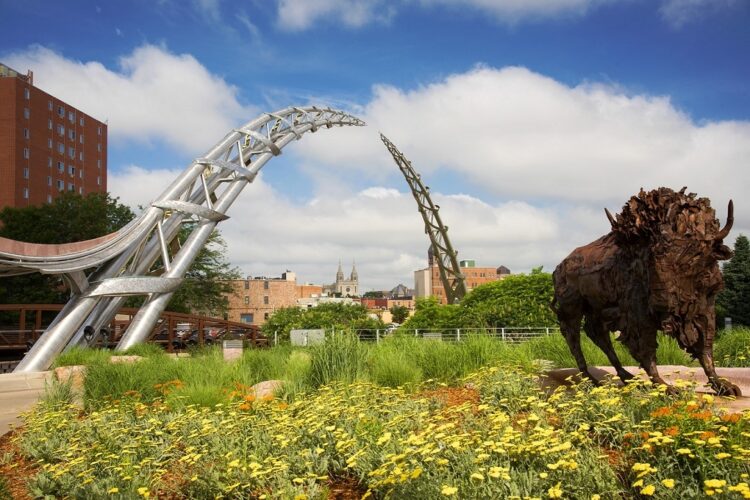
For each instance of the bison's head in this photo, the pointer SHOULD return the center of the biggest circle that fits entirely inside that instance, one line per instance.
(682, 241)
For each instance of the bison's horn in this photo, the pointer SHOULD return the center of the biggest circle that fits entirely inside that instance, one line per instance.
(730, 220)
(612, 220)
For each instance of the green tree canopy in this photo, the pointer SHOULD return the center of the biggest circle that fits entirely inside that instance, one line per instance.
(518, 300)
(734, 300)
(332, 315)
(399, 313)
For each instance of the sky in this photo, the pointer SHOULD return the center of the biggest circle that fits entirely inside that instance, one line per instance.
(525, 117)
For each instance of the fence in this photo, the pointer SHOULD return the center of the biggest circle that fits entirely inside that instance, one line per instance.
(514, 335)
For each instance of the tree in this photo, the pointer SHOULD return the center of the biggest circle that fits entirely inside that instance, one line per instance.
(399, 313)
(734, 300)
(331, 315)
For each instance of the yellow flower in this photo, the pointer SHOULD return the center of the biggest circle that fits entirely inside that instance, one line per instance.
(714, 483)
(721, 456)
(477, 476)
(416, 473)
(595, 496)
(668, 483)
(386, 437)
(113, 490)
(555, 491)
(648, 490)
(683, 451)
(448, 490)
(143, 491)
(543, 475)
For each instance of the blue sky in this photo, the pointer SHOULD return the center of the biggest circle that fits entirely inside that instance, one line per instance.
(526, 116)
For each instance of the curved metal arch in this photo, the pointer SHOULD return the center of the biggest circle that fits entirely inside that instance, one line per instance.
(451, 276)
(202, 193)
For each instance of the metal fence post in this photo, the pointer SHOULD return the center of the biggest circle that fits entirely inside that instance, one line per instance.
(377, 336)
(502, 332)
(276, 338)
(547, 330)
(458, 335)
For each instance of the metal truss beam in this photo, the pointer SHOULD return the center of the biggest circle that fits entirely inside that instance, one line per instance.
(123, 261)
(450, 272)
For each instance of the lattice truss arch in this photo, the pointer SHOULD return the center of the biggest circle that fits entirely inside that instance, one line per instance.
(451, 276)
(123, 261)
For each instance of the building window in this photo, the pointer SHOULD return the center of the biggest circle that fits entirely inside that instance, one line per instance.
(72, 152)
(99, 130)
(99, 147)
(49, 123)
(247, 299)
(60, 129)
(26, 94)
(98, 164)
(49, 105)
(247, 284)
(26, 113)
(61, 148)
(265, 299)
(26, 153)
(80, 138)
(71, 187)
(265, 285)
(61, 112)
(49, 198)
(246, 318)
(80, 155)
(72, 170)
(60, 185)
(80, 174)
(71, 117)
(49, 180)
(26, 193)
(265, 316)
(49, 143)
(26, 133)
(80, 190)
(80, 121)
(49, 162)
(25, 172)
(98, 181)
(71, 134)
(60, 167)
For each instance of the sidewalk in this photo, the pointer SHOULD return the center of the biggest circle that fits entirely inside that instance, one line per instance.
(18, 393)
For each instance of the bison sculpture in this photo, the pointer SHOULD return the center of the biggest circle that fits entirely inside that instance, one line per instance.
(656, 270)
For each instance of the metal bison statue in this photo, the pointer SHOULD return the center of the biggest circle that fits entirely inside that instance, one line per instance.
(656, 270)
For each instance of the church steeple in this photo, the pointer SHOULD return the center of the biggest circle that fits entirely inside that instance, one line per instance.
(354, 276)
(339, 274)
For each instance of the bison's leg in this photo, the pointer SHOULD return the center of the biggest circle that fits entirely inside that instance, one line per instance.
(596, 332)
(722, 386)
(645, 354)
(571, 329)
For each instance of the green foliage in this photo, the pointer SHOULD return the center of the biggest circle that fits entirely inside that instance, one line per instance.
(82, 356)
(734, 300)
(518, 300)
(207, 283)
(332, 315)
(341, 357)
(399, 313)
(732, 348)
(429, 314)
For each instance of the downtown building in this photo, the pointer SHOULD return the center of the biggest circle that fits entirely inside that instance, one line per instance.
(47, 146)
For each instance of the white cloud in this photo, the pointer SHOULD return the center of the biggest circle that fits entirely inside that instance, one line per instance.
(302, 14)
(521, 135)
(512, 11)
(153, 95)
(678, 13)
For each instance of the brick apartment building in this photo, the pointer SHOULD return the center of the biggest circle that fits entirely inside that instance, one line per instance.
(46, 145)
(427, 281)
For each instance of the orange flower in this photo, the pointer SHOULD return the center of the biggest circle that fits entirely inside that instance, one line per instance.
(702, 415)
(664, 411)
(731, 418)
(672, 431)
(245, 406)
(707, 434)
(250, 398)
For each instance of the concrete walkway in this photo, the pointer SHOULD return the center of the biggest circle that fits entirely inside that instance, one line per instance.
(18, 393)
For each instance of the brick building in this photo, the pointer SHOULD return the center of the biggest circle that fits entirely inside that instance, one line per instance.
(427, 281)
(46, 145)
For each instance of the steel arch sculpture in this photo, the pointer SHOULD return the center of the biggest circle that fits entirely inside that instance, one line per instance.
(451, 276)
(122, 260)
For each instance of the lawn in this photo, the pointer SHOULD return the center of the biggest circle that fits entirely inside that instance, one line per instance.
(404, 419)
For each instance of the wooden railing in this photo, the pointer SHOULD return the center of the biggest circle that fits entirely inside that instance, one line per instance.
(22, 324)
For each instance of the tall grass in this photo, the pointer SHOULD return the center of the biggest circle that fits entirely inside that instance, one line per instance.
(340, 357)
(733, 347)
(82, 356)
